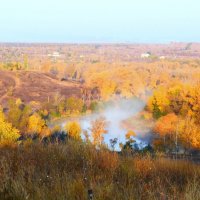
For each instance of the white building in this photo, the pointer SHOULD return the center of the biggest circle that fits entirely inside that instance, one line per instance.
(145, 55)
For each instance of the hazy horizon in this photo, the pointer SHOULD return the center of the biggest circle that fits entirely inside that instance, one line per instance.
(91, 21)
(99, 43)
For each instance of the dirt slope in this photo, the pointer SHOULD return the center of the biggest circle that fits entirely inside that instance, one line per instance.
(34, 86)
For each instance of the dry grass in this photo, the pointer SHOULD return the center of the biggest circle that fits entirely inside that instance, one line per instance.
(67, 171)
(34, 86)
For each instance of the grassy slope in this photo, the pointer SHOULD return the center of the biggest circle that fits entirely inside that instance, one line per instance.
(34, 86)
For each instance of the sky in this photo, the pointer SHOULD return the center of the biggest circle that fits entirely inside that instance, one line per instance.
(96, 21)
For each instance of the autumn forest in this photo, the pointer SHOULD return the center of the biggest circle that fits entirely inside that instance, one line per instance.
(100, 121)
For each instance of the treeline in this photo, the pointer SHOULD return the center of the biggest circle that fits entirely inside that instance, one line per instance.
(126, 79)
(22, 125)
(21, 121)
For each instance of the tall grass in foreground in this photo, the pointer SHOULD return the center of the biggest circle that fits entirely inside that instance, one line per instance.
(67, 171)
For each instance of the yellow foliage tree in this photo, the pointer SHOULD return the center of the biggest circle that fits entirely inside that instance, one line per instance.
(166, 125)
(130, 134)
(45, 132)
(161, 98)
(35, 124)
(8, 134)
(73, 130)
(166, 128)
(189, 133)
(98, 129)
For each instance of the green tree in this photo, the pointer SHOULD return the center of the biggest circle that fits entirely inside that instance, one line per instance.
(157, 113)
(74, 105)
(18, 115)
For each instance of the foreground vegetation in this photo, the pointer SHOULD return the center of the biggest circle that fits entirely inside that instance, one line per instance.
(69, 170)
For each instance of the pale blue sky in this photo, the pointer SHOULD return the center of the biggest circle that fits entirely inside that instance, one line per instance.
(99, 21)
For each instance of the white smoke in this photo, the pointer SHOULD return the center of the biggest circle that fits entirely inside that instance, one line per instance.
(115, 113)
